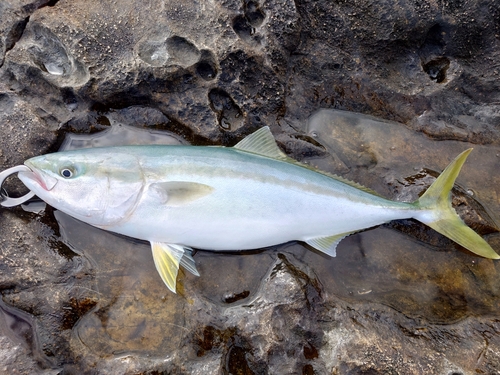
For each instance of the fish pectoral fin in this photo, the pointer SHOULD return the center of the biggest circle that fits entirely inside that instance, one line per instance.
(178, 193)
(328, 245)
(168, 258)
(261, 142)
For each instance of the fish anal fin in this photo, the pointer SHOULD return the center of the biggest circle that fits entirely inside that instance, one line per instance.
(178, 193)
(261, 142)
(168, 258)
(327, 245)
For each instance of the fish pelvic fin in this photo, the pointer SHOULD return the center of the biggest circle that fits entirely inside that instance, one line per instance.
(438, 213)
(168, 258)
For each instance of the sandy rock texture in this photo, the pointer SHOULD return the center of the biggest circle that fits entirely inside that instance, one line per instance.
(399, 299)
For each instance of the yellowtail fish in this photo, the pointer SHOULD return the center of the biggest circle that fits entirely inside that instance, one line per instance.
(238, 198)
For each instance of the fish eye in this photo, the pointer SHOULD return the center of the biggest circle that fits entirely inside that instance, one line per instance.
(66, 173)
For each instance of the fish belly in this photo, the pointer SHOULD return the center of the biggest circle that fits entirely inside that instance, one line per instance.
(245, 214)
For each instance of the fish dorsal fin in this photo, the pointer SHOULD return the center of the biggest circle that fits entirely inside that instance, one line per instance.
(178, 193)
(168, 257)
(328, 245)
(261, 142)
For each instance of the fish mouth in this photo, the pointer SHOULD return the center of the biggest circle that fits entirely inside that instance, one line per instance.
(33, 176)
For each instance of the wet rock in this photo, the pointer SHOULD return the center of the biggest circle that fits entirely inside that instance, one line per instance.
(15, 16)
(399, 298)
(49, 54)
(174, 50)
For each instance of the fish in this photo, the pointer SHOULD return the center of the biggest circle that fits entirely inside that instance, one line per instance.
(249, 196)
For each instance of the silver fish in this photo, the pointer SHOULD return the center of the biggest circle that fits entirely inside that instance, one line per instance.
(216, 198)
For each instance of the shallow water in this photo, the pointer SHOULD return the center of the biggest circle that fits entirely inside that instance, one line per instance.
(386, 156)
(19, 327)
(134, 311)
(118, 135)
(404, 265)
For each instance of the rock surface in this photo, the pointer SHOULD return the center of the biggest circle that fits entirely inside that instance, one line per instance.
(397, 299)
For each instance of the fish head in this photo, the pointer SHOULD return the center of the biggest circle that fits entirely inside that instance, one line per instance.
(98, 186)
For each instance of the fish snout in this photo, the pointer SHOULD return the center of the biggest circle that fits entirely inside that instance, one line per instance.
(34, 175)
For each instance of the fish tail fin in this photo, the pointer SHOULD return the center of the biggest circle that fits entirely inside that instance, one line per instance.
(438, 213)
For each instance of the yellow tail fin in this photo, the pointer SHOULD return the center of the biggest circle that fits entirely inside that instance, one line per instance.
(444, 219)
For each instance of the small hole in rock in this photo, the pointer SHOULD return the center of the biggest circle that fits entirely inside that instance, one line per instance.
(255, 16)
(308, 370)
(206, 70)
(436, 68)
(231, 298)
(242, 28)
